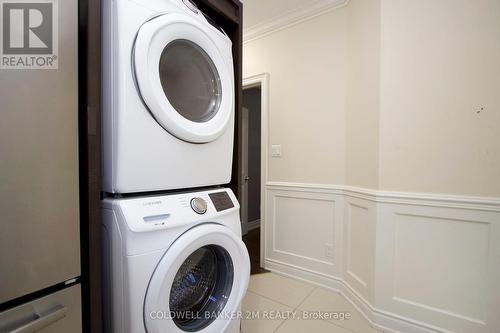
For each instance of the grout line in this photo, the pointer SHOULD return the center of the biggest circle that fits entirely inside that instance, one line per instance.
(327, 321)
(287, 305)
(354, 308)
(296, 308)
(281, 324)
(270, 299)
(314, 288)
(345, 328)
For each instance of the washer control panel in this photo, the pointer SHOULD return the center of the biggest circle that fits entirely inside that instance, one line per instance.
(174, 210)
(221, 200)
(199, 205)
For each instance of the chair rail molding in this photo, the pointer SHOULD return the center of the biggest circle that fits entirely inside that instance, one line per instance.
(409, 262)
(290, 18)
(410, 198)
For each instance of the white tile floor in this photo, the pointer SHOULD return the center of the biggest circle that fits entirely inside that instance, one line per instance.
(270, 296)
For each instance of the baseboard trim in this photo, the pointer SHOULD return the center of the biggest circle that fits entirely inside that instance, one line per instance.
(378, 319)
(251, 225)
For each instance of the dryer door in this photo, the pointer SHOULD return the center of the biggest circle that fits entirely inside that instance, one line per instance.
(183, 76)
(199, 282)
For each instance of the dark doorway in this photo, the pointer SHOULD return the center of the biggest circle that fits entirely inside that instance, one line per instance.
(252, 241)
(250, 164)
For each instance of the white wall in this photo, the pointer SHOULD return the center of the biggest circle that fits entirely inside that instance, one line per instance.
(440, 64)
(384, 94)
(379, 96)
(307, 71)
(362, 153)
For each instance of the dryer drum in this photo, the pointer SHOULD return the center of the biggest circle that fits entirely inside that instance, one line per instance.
(201, 288)
(190, 80)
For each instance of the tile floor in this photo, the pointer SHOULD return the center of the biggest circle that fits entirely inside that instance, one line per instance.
(270, 296)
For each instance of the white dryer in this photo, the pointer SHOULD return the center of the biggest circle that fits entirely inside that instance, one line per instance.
(174, 263)
(168, 97)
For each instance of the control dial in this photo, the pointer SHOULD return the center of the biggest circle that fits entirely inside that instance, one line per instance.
(199, 205)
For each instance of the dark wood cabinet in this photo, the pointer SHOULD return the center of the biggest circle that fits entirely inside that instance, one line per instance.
(90, 161)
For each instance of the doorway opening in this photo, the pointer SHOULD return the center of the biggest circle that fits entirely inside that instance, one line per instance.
(252, 147)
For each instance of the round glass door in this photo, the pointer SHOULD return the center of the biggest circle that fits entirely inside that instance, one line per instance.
(199, 283)
(201, 288)
(184, 74)
(190, 80)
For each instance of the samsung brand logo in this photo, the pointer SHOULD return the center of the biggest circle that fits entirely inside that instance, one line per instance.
(152, 203)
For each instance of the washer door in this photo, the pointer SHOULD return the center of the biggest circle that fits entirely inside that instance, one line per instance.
(183, 77)
(199, 282)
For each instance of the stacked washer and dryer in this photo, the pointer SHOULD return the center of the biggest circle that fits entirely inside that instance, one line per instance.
(173, 259)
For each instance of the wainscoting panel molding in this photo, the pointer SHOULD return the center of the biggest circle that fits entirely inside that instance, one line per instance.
(302, 229)
(360, 217)
(410, 262)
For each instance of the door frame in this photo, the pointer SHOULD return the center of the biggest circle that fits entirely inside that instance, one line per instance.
(89, 81)
(262, 80)
(244, 169)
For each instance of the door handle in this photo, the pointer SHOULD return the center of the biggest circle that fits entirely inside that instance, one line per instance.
(247, 178)
(42, 321)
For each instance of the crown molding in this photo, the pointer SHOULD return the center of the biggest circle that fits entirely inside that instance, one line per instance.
(290, 18)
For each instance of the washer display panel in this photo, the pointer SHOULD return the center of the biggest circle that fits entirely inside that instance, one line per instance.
(201, 288)
(190, 80)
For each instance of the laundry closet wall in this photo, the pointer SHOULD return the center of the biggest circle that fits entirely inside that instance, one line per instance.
(440, 101)
(388, 188)
(307, 71)
(307, 103)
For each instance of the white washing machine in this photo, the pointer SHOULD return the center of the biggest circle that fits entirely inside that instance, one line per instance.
(168, 97)
(174, 263)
